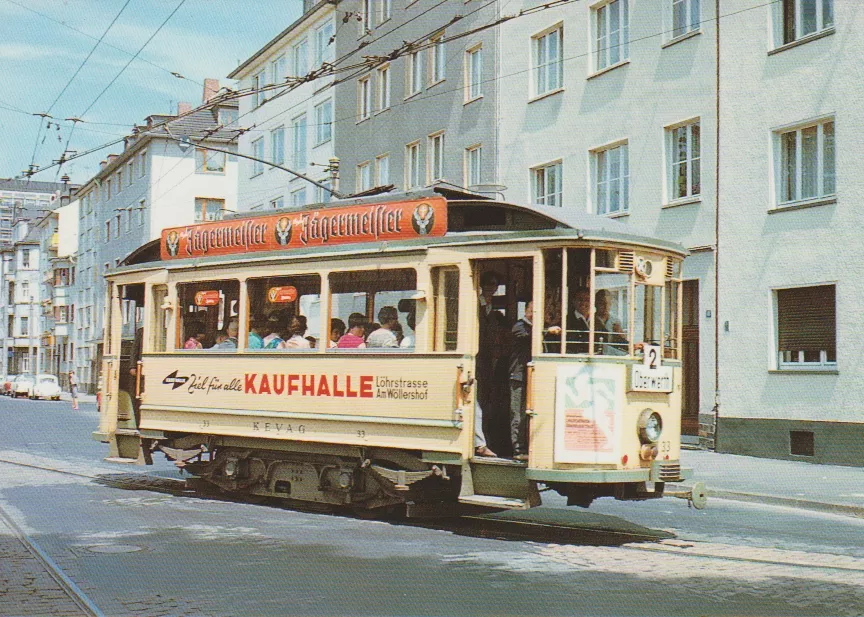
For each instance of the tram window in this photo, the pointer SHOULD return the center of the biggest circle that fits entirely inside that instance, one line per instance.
(670, 327)
(284, 313)
(446, 308)
(576, 305)
(648, 314)
(209, 317)
(160, 322)
(612, 313)
(377, 307)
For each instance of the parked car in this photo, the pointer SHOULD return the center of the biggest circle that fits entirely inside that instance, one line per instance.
(6, 386)
(23, 385)
(46, 387)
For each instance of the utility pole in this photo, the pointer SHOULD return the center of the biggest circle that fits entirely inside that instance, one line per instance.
(30, 328)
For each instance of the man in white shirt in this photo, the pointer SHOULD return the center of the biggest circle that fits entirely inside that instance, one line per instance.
(384, 336)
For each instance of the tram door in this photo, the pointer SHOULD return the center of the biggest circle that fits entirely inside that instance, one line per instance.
(690, 359)
(504, 287)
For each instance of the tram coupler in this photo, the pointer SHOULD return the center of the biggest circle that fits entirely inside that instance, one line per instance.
(696, 495)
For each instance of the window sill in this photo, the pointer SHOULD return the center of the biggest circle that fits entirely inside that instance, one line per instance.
(684, 201)
(611, 67)
(380, 111)
(412, 95)
(469, 101)
(435, 83)
(361, 120)
(801, 205)
(540, 97)
(681, 37)
(802, 41)
(617, 215)
(255, 175)
(802, 371)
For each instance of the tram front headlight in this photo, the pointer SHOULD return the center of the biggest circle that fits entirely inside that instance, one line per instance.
(650, 426)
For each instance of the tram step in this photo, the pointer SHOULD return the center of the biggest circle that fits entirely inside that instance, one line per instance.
(492, 501)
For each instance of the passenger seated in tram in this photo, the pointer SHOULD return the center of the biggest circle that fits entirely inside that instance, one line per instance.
(227, 339)
(407, 341)
(337, 330)
(607, 329)
(196, 335)
(385, 336)
(257, 328)
(577, 321)
(296, 334)
(276, 326)
(354, 339)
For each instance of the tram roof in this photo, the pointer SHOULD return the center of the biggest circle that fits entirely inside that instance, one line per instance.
(465, 209)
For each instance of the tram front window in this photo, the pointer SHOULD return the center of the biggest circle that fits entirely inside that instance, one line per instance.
(648, 320)
(377, 307)
(284, 313)
(612, 313)
(210, 315)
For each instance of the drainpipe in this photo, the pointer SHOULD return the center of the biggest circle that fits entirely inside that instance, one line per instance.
(716, 408)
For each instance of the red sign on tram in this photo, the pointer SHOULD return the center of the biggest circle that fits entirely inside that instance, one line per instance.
(207, 298)
(279, 295)
(401, 220)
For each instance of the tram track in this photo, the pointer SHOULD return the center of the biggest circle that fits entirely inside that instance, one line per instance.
(508, 527)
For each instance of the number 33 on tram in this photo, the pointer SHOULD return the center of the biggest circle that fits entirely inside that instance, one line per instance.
(375, 353)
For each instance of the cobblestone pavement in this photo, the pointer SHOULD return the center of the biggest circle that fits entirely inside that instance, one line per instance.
(26, 587)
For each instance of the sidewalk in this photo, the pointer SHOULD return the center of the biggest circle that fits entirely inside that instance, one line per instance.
(82, 398)
(824, 488)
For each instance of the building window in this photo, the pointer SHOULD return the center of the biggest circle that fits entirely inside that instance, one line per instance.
(323, 44)
(25, 258)
(277, 70)
(412, 165)
(547, 61)
(258, 153)
(227, 117)
(324, 122)
(141, 207)
(142, 163)
(277, 145)
(685, 17)
(298, 197)
(683, 154)
(806, 327)
(807, 163)
(384, 87)
(25, 326)
(473, 73)
(25, 291)
(117, 225)
(107, 190)
(277, 203)
(208, 209)
(128, 221)
(364, 176)
(364, 97)
(322, 195)
(301, 60)
(365, 17)
(299, 131)
(130, 171)
(473, 165)
(119, 180)
(209, 161)
(415, 73)
(258, 83)
(382, 170)
(436, 158)
(797, 19)
(612, 180)
(546, 185)
(107, 230)
(386, 10)
(437, 59)
(612, 34)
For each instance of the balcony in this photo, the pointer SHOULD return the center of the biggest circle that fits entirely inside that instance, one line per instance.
(54, 243)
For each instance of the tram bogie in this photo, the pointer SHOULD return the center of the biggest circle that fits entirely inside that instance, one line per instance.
(394, 417)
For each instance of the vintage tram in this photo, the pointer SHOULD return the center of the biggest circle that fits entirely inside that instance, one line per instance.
(189, 371)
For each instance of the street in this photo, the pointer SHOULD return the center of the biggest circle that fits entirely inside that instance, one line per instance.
(152, 552)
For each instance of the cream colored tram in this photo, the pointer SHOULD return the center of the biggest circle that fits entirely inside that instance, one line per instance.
(189, 371)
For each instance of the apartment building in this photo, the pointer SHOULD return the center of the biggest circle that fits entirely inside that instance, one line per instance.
(156, 182)
(25, 199)
(425, 114)
(292, 126)
(20, 297)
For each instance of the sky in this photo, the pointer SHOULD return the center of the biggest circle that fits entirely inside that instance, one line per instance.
(38, 56)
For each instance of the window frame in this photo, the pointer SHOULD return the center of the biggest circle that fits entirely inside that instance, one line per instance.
(383, 88)
(692, 25)
(470, 165)
(780, 169)
(437, 59)
(379, 180)
(364, 98)
(364, 172)
(821, 29)
(598, 12)
(412, 182)
(414, 74)
(670, 176)
(474, 74)
(323, 127)
(257, 147)
(322, 47)
(205, 157)
(435, 147)
(206, 202)
(299, 130)
(598, 158)
(543, 200)
(300, 62)
(780, 365)
(540, 61)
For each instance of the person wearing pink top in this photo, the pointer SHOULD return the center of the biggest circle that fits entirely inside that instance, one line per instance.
(356, 331)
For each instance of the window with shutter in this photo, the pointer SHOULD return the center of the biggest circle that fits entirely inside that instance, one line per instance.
(807, 327)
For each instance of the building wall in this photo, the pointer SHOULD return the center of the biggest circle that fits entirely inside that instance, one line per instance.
(664, 82)
(436, 107)
(262, 188)
(765, 247)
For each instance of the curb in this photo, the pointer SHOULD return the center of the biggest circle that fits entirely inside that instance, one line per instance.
(803, 504)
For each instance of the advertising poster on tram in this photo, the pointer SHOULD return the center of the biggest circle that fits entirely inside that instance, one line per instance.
(589, 400)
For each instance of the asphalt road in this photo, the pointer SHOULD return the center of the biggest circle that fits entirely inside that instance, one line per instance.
(144, 552)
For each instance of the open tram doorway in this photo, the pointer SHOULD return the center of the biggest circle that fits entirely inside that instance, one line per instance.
(131, 346)
(498, 310)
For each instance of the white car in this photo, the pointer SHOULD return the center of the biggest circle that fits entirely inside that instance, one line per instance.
(23, 386)
(47, 387)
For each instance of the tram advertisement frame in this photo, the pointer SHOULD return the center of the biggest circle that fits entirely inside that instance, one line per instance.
(400, 220)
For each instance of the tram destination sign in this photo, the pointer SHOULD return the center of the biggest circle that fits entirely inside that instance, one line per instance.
(401, 220)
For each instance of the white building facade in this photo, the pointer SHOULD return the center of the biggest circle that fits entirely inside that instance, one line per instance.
(20, 298)
(294, 129)
(616, 116)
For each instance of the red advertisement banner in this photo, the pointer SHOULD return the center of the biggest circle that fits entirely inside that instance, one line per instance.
(326, 227)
